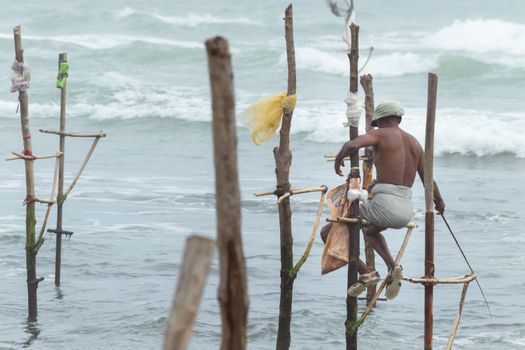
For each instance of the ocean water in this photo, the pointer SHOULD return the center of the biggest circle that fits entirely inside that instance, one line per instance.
(139, 72)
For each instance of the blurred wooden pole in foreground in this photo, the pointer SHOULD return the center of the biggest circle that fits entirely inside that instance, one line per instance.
(233, 295)
(192, 277)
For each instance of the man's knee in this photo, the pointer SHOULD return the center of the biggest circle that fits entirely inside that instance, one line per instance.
(372, 231)
(324, 232)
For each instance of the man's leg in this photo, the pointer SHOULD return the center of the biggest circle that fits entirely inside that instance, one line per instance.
(377, 241)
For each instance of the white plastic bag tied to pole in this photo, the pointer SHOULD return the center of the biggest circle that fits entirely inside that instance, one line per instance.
(353, 110)
(20, 76)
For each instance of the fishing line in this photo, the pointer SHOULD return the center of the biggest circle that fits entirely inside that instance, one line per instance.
(466, 260)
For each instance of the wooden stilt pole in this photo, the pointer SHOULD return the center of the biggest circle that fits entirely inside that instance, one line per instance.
(192, 276)
(62, 58)
(31, 252)
(351, 302)
(368, 165)
(233, 296)
(429, 207)
(283, 161)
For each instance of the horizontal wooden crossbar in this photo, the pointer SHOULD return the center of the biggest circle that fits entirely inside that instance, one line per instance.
(363, 222)
(449, 280)
(24, 157)
(331, 158)
(292, 192)
(73, 133)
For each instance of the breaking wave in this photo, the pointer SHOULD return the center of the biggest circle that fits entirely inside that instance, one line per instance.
(390, 65)
(480, 36)
(108, 41)
(189, 20)
(458, 131)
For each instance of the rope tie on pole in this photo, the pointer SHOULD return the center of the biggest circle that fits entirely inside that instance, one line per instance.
(20, 76)
(280, 190)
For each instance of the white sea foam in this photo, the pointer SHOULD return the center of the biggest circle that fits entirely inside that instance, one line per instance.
(390, 65)
(487, 134)
(108, 41)
(486, 40)
(480, 36)
(189, 20)
(126, 12)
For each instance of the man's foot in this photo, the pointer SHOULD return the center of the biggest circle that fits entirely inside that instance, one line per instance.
(394, 285)
(366, 280)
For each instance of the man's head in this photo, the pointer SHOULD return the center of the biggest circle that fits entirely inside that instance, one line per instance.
(387, 112)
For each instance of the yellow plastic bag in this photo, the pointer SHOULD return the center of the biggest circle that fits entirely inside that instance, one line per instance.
(264, 116)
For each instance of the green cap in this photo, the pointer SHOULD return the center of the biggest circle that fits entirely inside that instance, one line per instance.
(387, 109)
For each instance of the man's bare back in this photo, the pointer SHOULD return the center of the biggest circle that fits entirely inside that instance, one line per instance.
(398, 156)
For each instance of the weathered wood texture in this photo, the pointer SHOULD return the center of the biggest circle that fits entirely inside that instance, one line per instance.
(192, 277)
(62, 58)
(429, 207)
(283, 162)
(233, 296)
(353, 212)
(32, 281)
(368, 165)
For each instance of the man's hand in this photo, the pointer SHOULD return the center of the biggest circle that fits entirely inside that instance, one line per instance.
(440, 206)
(340, 161)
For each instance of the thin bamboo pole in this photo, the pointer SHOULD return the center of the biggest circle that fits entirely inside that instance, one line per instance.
(192, 277)
(233, 296)
(18, 156)
(301, 191)
(291, 192)
(331, 158)
(455, 325)
(283, 161)
(82, 167)
(303, 258)
(368, 165)
(446, 280)
(73, 134)
(32, 281)
(62, 58)
(353, 211)
(40, 239)
(429, 207)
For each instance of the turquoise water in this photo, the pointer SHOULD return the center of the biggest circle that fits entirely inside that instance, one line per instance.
(139, 72)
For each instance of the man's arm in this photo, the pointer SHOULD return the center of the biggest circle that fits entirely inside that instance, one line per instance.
(438, 200)
(371, 138)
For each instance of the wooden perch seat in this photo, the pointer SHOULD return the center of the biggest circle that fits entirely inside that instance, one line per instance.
(24, 157)
(44, 201)
(323, 189)
(73, 133)
(363, 222)
(449, 280)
